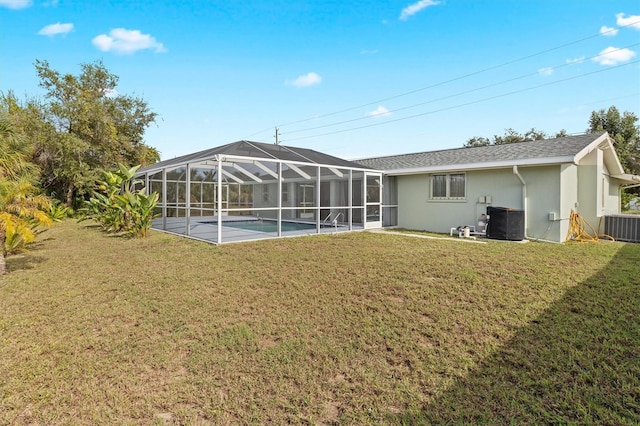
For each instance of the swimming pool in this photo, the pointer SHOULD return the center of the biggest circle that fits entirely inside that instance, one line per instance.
(265, 225)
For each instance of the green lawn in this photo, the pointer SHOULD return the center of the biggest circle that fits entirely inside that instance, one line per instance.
(360, 328)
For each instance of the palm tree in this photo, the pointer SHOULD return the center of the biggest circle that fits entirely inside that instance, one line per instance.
(13, 152)
(22, 209)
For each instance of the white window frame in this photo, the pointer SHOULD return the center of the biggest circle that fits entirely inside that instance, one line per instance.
(448, 186)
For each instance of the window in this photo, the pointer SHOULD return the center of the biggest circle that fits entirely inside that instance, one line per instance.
(450, 186)
(265, 193)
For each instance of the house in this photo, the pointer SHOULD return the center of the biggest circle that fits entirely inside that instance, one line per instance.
(251, 190)
(545, 179)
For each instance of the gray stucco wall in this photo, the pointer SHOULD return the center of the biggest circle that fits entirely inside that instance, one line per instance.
(544, 194)
(568, 198)
(599, 194)
(590, 187)
(417, 211)
(612, 196)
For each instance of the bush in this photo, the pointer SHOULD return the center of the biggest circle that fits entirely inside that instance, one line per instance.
(118, 207)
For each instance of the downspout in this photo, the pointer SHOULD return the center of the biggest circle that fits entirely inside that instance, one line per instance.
(524, 198)
(524, 207)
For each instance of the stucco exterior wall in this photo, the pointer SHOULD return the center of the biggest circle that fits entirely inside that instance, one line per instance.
(599, 194)
(590, 187)
(568, 198)
(611, 195)
(417, 211)
(544, 192)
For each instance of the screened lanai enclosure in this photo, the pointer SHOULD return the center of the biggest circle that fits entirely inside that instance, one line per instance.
(250, 190)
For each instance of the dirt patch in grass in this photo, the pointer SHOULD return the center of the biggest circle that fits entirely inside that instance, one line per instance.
(358, 328)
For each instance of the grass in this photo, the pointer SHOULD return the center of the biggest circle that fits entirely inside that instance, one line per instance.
(360, 328)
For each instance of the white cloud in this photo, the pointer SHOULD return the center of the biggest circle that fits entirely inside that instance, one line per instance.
(121, 40)
(369, 52)
(416, 7)
(15, 4)
(55, 29)
(306, 80)
(607, 31)
(575, 60)
(380, 111)
(631, 20)
(545, 71)
(613, 56)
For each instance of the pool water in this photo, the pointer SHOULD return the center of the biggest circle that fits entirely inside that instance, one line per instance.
(267, 225)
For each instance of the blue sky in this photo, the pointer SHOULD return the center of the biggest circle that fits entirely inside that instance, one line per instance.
(350, 78)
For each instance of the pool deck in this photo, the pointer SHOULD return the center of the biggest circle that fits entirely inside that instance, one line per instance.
(205, 228)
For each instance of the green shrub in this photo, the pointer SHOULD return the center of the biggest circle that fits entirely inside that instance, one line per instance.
(118, 207)
(58, 211)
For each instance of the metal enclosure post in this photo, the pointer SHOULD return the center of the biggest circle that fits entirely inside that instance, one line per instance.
(318, 200)
(380, 194)
(187, 197)
(350, 191)
(219, 212)
(279, 199)
(164, 199)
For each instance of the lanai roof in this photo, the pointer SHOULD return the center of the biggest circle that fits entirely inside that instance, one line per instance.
(258, 150)
(548, 151)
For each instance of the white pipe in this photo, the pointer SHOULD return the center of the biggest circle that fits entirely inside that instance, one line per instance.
(524, 198)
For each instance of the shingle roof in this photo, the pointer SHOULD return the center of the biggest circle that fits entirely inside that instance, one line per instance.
(555, 148)
(257, 150)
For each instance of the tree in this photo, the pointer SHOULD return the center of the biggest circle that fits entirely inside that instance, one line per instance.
(14, 163)
(477, 141)
(22, 208)
(90, 128)
(510, 136)
(625, 134)
(534, 135)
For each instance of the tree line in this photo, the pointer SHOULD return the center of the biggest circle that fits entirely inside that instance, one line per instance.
(81, 127)
(57, 153)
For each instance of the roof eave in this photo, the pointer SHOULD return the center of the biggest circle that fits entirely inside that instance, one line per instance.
(482, 166)
(627, 179)
(154, 168)
(604, 143)
(224, 157)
